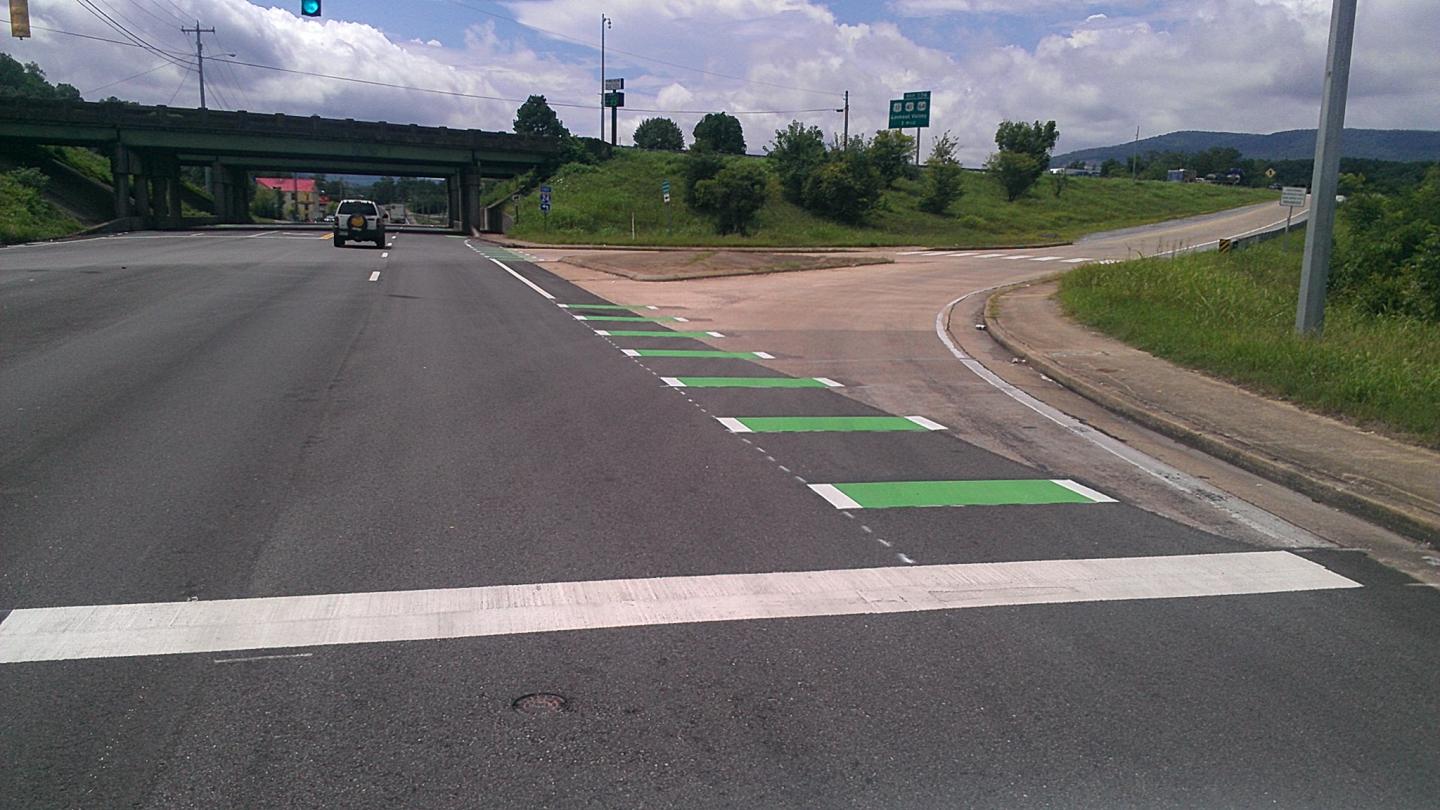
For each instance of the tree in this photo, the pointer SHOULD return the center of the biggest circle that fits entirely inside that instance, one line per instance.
(1024, 154)
(942, 183)
(536, 118)
(1034, 139)
(795, 154)
(846, 187)
(659, 133)
(28, 81)
(890, 152)
(734, 196)
(1016, 171)
(721, 133)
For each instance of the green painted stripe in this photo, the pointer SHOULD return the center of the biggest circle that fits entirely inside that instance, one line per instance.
(631, 318)
(885, 495)
(837, 424)
(643, 333)
(692, 353)
(752, 382)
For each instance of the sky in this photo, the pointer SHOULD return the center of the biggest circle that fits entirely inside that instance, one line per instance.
(1099, 69)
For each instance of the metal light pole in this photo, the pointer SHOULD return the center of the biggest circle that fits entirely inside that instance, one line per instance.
(604, 24)
(1310, 311)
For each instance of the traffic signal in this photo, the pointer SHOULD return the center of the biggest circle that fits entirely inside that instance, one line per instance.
(310, 8)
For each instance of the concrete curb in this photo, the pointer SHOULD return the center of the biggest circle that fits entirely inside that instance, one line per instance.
(1393, 516)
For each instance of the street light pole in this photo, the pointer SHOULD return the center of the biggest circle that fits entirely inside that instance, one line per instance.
(604, 24)
(1310, 310)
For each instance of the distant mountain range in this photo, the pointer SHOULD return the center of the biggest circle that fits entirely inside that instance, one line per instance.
(1296, 144)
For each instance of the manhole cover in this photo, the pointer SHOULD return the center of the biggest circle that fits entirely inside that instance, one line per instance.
(540, 703)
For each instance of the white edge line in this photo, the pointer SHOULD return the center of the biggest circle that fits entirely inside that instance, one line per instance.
(928, 424)
(733, 425)
(837, 499)
(528, 283)
(603, 332)
(580, 317)
(679, 319)
(828, 383)
(1082, 490)
(630, 352)
(565, 306)
(673, 382)
(715, 334)
(765, 355)
(652, 309)
(375, 276)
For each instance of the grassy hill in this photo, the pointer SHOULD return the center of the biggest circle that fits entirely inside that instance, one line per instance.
(597, 204)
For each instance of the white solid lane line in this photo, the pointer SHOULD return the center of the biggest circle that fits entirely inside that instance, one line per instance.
(733, 425)
(837, 499)
(528, 283)
(1076, 261)
(168, 628)
(1083, 491)
(375, 276)
(673, 382)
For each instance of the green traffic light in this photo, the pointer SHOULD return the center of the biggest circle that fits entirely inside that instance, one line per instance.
(310, 8)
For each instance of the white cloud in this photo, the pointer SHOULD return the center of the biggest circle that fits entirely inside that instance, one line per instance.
(1247, 65)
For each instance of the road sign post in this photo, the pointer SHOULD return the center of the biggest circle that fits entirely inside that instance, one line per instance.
(545, 205)
(614, 99)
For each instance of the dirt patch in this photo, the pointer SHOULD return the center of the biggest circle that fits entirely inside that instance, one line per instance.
(676, 265)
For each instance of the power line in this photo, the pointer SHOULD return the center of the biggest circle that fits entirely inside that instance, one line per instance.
(135, 39)
(127, 78)
(593, 45)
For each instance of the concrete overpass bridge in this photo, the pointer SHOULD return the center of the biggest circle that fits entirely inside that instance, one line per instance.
(148, 145)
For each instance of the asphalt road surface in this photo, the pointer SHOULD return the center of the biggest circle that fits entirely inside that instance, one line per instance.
(286, 525)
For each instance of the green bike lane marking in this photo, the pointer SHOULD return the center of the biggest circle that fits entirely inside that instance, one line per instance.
(656, 334)
(892, 494)
(697, 353)
(627, 307)
(633, 318)
(750, 382)
(828, 424)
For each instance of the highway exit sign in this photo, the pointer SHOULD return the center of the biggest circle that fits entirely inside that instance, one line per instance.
(911, 111)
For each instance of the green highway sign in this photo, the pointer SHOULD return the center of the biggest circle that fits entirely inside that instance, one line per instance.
(911, 111)
(614, 99)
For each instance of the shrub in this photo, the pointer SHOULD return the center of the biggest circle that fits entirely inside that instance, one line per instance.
(1016, 172)
(845, 188)
(1391, 262)
(795, 154)
(733, 196)
(890, 154)
(942, 184)
(701, 165)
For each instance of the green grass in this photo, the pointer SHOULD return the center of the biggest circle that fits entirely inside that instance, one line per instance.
(1234, 316)
(25, 216)
(594, 204)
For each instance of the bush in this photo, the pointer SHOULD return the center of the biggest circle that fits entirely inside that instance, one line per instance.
(795, 154)
(845, 188)
(25, 215)
(1390, 265)
(701, 165)
(1016, 171)
(734, 196)
(890, 153)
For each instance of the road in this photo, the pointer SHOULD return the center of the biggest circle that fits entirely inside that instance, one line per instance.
(286, 525)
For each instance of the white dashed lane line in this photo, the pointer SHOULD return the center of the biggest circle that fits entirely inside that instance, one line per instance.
(375, 276)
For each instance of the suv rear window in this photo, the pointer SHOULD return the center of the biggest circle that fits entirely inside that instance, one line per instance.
(353, 207)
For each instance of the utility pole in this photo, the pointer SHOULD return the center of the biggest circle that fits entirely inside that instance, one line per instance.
(604, 24)
(199, 54)
(1310, 310)
(1135, 157)
(847, 120)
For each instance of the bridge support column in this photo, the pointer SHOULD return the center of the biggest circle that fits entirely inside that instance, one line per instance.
(120, 170)
(219, 187)
(452, 192)
(472, 218)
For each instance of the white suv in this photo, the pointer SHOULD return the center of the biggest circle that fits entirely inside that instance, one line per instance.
(359, 220)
